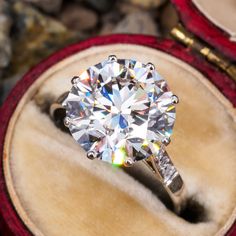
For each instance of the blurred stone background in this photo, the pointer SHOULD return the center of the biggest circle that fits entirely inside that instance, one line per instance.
(30, 30)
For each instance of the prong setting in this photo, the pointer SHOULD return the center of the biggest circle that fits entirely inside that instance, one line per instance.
(128, 162)
(64, 104)
(175, 99)
(112, 58)
(74, 80)
(92, 154)
(150, 66)
(166, 141)
(67, 121)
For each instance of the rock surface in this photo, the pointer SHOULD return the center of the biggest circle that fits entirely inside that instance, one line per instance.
(137, 23)
(100, 5)
(78, 18)
(50, 6)
(126, 8)
(5, 42)
(34, 37)
(168, 18)
(147, 3)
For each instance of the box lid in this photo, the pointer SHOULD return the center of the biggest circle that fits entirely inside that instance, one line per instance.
(207, 20)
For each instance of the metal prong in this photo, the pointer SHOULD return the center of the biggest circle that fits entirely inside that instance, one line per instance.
(128, 162)
(67, 121)
(64, 104)
(74, 80)
(175, 99)
(112, 58)
(166, 141)
(92, 154)
(150, 66)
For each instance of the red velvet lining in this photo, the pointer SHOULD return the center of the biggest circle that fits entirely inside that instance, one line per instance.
(10, 220)
(200, 26)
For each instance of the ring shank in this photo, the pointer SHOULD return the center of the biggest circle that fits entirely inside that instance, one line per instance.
(167, 174)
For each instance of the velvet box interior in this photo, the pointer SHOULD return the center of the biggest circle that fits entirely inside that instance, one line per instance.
(49, 187)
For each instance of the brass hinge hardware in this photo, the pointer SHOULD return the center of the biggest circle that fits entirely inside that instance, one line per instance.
(190, 41)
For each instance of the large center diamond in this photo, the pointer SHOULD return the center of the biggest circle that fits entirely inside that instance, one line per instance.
(120, 109)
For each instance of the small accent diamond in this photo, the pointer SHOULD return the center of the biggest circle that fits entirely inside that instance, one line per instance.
(167, 169)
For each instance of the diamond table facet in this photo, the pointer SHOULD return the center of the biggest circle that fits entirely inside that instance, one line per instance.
(120, 109)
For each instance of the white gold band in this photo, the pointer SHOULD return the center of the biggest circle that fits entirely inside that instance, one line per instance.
(170, 178)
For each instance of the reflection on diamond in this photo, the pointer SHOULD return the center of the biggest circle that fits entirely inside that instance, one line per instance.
(121, 109)
(119, 156)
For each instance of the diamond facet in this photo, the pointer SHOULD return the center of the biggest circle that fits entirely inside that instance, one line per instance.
(120, 109)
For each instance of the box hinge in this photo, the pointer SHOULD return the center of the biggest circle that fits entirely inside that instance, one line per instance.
(190, 41)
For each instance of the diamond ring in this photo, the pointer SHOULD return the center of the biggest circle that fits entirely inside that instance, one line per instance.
(121, 111)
